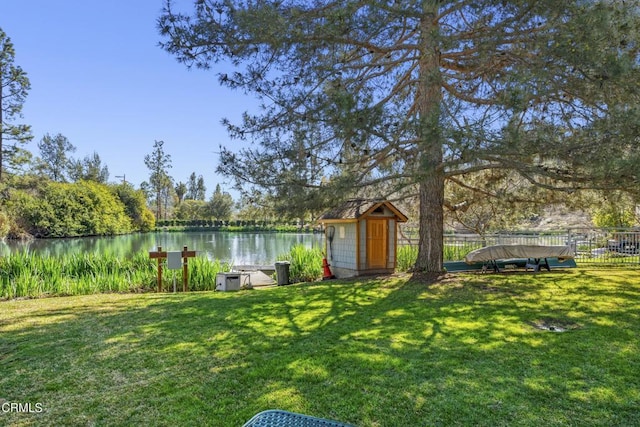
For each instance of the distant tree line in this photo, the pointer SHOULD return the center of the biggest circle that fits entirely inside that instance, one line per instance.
(236, 225)
(185, 204)
(182, 201)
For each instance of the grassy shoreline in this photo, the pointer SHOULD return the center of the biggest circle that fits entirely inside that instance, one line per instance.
(28, 275)
(468, 350)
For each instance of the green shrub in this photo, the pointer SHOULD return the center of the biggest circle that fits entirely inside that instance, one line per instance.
(135, 206)
(84, 208)
(5, 226)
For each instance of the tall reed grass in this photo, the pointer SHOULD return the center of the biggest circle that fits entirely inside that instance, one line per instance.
(407, 255)
(202, 273)
(27, 274)
(306, 263)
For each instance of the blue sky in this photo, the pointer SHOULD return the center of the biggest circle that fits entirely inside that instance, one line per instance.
(99, 78)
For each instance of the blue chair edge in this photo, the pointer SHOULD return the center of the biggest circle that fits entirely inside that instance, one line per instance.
(329, 423)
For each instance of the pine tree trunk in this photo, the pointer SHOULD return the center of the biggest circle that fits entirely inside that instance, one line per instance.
(429, 157)
(158, 207)
(1, 129)
(430, 243)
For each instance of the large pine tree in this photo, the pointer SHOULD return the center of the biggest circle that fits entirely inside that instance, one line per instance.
(14, 86)
(396, 98)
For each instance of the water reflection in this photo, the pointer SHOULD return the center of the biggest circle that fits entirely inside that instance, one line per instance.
(238, 248)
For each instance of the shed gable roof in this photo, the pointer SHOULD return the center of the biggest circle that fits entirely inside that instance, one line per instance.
(356, 208)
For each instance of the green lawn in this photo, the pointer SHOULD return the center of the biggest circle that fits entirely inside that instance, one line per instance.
(378, 352)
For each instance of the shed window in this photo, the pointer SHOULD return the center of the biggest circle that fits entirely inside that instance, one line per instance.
(378, 210)
(341, 231)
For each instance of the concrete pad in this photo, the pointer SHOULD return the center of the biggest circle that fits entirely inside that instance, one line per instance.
(256, 279)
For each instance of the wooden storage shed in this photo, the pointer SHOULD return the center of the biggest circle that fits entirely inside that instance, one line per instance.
(361, 237)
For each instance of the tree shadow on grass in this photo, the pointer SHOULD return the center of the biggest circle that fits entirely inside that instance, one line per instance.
(375, 351)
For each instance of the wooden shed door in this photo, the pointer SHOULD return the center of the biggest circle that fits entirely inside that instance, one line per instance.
(377, 243)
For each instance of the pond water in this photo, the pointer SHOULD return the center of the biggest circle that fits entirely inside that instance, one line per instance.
(237, 248)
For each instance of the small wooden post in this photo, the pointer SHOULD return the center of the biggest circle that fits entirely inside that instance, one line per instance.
(185, 270)
(159, 255)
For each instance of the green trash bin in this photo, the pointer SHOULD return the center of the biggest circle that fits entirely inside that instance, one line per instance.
(282, 272)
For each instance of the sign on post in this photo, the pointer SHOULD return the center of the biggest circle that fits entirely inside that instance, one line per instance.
(174, 261)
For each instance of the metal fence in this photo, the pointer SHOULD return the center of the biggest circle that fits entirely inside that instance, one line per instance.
(590, 246)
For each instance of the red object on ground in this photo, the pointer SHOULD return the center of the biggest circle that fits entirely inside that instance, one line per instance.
(327, 271)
